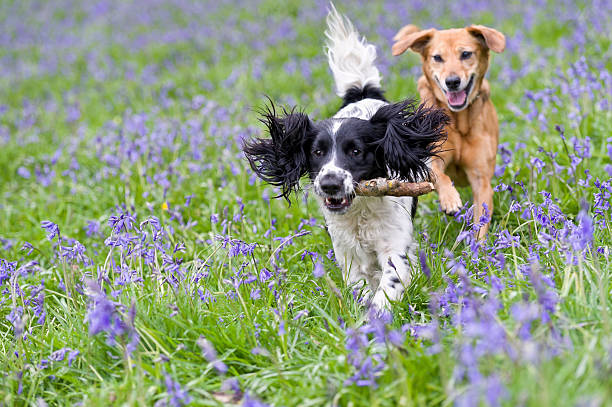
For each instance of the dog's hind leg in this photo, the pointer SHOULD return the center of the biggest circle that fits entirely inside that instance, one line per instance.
(480, 181)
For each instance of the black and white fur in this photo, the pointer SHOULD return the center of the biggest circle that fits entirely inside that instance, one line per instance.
(367, 138)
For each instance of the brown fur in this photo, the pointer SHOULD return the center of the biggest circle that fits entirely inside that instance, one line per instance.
(468, 156)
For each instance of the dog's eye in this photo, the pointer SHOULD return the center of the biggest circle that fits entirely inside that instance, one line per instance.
(355, 152)
(438, 58)
(466, 54)
(317, 153)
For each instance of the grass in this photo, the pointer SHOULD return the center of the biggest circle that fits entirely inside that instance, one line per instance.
(114, 66)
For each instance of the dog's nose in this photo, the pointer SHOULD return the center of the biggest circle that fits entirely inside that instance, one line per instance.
(453, 82)
(330, 184)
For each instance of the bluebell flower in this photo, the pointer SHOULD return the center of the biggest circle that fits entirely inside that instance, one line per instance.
(255, 293)
(209, 352)
(424, 267)
(319, 270)
(176, 395)
(23, 172)
(249, 401)
(27, 247)
(51, 228)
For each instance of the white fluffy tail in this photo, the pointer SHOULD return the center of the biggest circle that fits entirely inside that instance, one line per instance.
(351, 59)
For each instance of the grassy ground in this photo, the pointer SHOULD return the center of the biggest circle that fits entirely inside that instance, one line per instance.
(173, 278)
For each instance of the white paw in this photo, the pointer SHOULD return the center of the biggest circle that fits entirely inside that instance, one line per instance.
(450, 201)
(380, 301)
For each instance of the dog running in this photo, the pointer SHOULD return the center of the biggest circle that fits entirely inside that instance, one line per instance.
(367, 138)
(454, 64)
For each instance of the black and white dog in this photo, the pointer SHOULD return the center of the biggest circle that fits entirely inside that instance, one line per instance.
(368, 138)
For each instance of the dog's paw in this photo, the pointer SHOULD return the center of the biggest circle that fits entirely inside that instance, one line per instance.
(380, 301)
(450, 201)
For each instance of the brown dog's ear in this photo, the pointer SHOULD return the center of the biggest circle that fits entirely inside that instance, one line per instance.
(408, 38)
(494, 40)
(404, 31)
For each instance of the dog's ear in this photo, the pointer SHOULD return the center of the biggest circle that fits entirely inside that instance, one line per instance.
(493, 39)
(407, 136)
(405, 31)
(410, 37)
(280, 160)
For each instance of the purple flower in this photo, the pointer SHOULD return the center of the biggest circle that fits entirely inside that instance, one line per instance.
(27, 246)
(72, 356)
(23, 172)
(505, 240)
(51, 228)
(177, 396)
(249, 401)
(209, 352)
(264, 275)
(495, 391)
(537, 164)
(367, 372)
(60, 354)
(396, 337)
(300, 314)
(281, 328)
(134, 337)
(231, 384)
(424, 266)
(524, 314)
(14, 317)
(583, 235)
(318, 270)
(124, 221)
(255, 293)
(101, 316)
(258, 350)
(75, 252)
(206, 297)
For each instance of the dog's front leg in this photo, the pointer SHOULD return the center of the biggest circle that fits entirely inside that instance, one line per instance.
(479, 166)
(354, 270)
(450, 201)
(396, 276)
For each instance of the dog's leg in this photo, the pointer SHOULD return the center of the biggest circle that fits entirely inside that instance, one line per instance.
(357, 279)
(354, 271)
(396, 276)
(450, 201)
(480, 181)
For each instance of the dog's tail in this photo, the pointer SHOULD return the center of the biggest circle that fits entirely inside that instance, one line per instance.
(351, 60)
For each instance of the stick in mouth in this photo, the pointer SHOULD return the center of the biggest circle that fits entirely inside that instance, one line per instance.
(392, 187)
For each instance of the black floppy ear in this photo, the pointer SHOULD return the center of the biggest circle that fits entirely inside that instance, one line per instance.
(280, 160)
(407, 136)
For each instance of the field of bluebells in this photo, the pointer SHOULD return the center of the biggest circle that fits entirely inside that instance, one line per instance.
(141, 262)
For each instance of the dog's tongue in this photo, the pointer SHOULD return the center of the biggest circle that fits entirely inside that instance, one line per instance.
(456, 98)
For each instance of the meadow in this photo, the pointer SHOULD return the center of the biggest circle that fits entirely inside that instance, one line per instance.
(142, 263)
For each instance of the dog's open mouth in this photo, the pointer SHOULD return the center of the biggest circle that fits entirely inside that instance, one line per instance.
(338, 204)
(457, 100)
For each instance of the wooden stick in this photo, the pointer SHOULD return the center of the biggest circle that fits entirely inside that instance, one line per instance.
(392, 187)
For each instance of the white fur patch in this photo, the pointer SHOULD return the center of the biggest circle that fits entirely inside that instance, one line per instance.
(351, 59)
(364, 109)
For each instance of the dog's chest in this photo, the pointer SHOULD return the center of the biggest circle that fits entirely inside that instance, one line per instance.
(372, 223)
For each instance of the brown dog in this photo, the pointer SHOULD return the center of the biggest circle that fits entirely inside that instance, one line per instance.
(454, 64)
